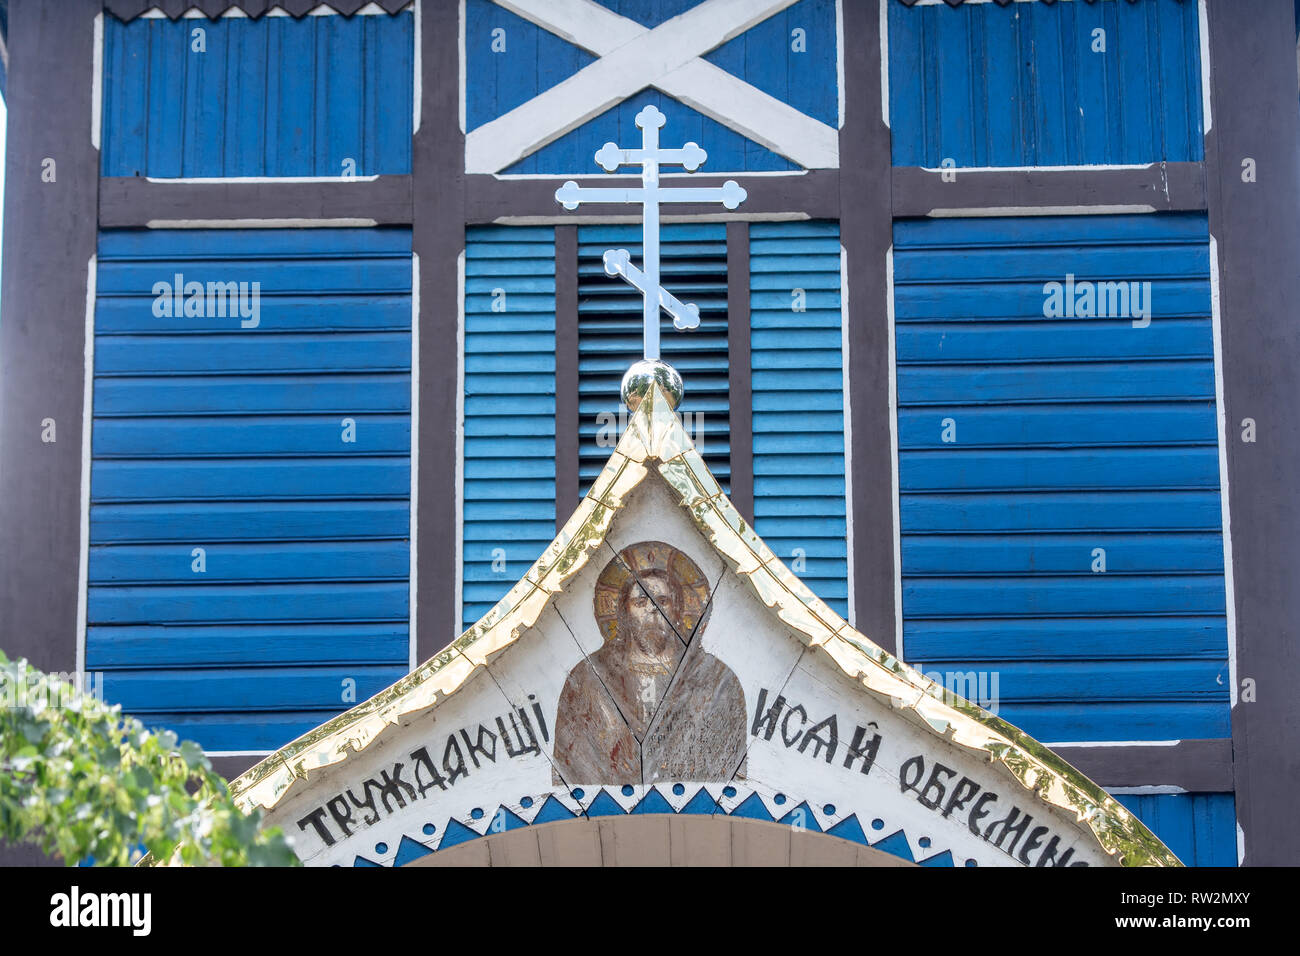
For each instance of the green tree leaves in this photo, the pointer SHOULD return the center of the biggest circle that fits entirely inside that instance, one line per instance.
(84, 782)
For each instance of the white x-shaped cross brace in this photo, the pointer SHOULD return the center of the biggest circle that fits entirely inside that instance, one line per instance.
(632, 57)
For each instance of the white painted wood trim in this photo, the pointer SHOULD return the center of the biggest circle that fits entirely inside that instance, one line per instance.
(986, 211)
(839, 64)
(627, 65)
(1204, 28)
(884, 62)
(583, 23)
(183, 180)
(1113, 743)
(1229, 581)
(414, 502)
(845, 398)
(893, 455)
(459, 589)
(96, 81)
(87, 409)
(257, 223)
(766, 120)
(417, 66)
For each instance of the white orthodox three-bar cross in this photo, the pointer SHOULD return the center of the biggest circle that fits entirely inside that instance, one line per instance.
(650, 195)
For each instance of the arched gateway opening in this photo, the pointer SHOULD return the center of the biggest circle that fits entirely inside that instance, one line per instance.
(660, 840)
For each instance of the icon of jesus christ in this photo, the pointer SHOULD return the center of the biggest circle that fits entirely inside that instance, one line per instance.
(651, 704)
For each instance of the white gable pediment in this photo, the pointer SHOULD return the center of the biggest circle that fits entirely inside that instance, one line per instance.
(658, 658)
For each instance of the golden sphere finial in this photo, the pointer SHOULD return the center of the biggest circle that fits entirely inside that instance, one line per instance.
(647, 372)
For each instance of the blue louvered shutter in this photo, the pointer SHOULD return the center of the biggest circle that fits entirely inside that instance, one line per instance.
(1201, 828)
(276, 96)
(798, 399)
(209, 435)
(984, 84)
(693, 268)
(1028, 445)
(509, 478)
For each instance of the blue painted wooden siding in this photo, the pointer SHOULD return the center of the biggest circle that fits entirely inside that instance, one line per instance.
(1201, 828)
(1070, 435)
(509, 483)
(693, 268)
(534, 60)
(269, 97)
(209, 435)
(798, 399)
(1019, 85)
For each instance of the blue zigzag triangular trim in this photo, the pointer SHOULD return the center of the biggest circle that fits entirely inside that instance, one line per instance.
(509, 821)
(409, 850)
(653, 802)
(702, 802)
(896, 843)
(752, 808)
(939, 859)
(604, 806)
(456, 832)
(551, 810)
(849, 829)
(808, 821)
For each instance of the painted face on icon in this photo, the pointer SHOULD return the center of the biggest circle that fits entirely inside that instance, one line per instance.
(649, 607)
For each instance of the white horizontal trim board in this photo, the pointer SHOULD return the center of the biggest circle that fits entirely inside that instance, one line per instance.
(633, 57)
(1113, 743)
(986, 212)
(944, 3)
(257, 223)
(233, 12)
(589, 220)
(1031, 169)
(179, 180)
(238, 753)
(663, 175)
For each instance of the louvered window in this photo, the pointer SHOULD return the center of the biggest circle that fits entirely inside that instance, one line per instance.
(694, 268)
(509, 477)
(798, 399)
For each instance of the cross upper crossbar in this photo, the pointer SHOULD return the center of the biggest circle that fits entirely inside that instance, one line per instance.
(650, 195)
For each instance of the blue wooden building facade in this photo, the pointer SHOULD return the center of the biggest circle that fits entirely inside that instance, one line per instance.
(340, 365)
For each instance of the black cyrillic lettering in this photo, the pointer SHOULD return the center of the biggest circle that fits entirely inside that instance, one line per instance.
(368, 804)
(785, 724)
(457, 769)
(1009, 826)
(978, 813)
(916, 763)
(1033, 842)
(766, 722)
(478, 748)
(524, 747)
(422, 759)
(965, 789)
(341, 812)
(317, 819)
(831, 741)
(865, 751)
(935, 784)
